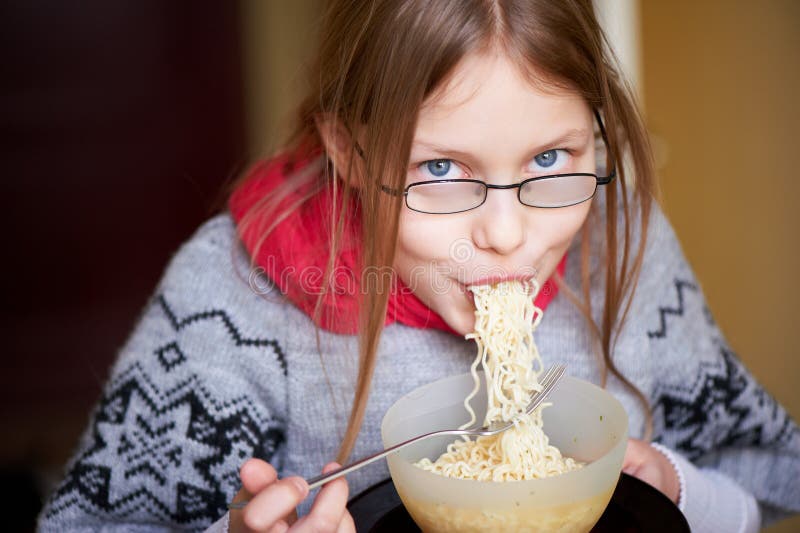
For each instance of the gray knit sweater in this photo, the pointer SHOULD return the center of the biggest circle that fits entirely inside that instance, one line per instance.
(220, 368)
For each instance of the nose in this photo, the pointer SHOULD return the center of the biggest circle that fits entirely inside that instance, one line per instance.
(500, 223)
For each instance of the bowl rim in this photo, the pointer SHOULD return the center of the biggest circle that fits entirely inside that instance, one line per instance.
(587, 470)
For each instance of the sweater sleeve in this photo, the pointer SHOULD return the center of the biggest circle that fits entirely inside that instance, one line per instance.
(712, 501)
(198, 388)
(737, 445)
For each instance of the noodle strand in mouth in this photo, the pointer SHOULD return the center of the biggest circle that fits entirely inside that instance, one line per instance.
(505, 318)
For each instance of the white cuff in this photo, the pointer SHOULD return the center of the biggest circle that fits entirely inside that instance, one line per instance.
(710, 500)
(666, 452)
(221, 525)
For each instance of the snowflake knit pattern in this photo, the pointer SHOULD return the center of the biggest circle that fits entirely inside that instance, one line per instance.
(221, 367)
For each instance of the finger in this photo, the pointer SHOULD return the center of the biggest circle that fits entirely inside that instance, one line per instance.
(645, 463)
(256, 475)
(634, 448)
(648, 473)
(329, 505)
(333, 493)
(279, 527)
(634, 456)
(330, 467)
(346, 525)
(275, 502)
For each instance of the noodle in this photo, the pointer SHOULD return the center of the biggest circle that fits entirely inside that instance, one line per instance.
(505, 318)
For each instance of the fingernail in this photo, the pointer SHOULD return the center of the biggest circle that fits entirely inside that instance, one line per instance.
(330, 467)
(301, 485)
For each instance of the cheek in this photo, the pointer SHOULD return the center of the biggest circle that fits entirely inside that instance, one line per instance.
(423, 240)
(562, 224)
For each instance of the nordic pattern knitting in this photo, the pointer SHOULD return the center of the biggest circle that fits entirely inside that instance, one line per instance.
(219, 401)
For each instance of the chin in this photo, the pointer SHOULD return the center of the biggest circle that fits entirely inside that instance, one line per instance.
(460, 317)
(462, 326)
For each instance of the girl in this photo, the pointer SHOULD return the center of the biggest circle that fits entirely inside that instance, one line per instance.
(443, 144)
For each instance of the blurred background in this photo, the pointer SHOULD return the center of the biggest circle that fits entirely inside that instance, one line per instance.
(122, 121)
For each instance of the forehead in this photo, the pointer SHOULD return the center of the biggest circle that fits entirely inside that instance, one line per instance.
(488, 97)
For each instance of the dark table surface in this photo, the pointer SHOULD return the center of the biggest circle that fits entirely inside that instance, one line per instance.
(635, 506)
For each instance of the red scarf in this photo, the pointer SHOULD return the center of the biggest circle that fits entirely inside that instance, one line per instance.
(294, 256)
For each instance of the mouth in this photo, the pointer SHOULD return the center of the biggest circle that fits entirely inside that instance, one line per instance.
(495, 279)
(524, 275)
(470, 295)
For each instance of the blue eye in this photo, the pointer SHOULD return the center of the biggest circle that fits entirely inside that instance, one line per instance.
(550, 160)
(436, 170)
(438, 167)
(547, 159)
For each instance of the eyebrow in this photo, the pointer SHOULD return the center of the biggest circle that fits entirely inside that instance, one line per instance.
(569, 136)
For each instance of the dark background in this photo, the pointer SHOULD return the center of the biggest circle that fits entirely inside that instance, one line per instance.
(121, 122)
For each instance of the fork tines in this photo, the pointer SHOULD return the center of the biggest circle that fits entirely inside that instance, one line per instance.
(551, 378)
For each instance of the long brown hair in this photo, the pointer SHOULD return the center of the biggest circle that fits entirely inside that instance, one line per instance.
(376, 64)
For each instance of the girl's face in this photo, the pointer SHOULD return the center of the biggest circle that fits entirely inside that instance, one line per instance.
(491, 124)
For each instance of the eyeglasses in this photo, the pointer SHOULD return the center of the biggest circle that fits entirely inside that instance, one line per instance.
(443, 197)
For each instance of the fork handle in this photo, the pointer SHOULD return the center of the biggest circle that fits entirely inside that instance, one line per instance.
(550, 381)
(315, 482)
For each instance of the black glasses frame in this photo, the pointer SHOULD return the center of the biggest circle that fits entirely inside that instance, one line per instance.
(486, 186)
(600, 180)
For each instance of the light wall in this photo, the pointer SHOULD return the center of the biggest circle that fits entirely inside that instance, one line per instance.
(621, 23)
(721, 81)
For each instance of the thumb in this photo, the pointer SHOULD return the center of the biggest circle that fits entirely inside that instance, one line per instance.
(256, 475)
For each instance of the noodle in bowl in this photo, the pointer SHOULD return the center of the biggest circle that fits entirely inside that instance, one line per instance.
(505, 318)
(584, 421)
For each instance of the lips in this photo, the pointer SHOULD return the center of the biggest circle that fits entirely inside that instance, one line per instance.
(495, 279)
(471, 297)
(522, 274)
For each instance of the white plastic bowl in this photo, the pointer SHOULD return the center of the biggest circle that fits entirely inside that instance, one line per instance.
(585, 422)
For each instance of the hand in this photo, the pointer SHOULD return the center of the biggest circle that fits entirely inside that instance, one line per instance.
(651, 466)
(273, 501)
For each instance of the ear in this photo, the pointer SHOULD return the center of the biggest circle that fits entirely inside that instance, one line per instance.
(338, 143)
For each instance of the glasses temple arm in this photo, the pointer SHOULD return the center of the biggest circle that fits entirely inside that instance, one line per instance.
(393, 192)
(611, 175)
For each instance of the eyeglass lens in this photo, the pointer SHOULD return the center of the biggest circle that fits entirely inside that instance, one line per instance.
(456, 196)
(558, 192)
(446, 197)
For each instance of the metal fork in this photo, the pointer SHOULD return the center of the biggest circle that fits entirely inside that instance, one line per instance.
(548, 383)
